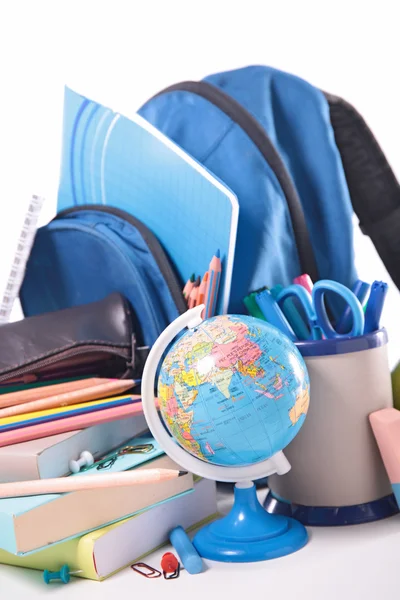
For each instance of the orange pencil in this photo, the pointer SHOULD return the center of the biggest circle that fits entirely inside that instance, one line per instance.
(96, 392)
(202, 290)
(45, 391)
(214, 278)
(194, 293)
(188, 287)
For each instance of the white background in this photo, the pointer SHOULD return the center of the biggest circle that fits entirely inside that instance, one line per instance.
(120, 53)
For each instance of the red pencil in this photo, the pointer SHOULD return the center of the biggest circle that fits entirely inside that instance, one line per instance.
(214, 278)
(188, 287)
(194, 293)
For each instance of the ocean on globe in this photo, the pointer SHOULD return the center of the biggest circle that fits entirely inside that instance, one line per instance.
(233, 391)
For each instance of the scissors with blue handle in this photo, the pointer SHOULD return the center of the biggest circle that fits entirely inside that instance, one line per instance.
(314, 307)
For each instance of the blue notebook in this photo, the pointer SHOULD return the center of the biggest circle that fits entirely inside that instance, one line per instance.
(128, 164)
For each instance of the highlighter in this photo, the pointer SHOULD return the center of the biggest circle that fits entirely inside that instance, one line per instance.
(305, 281)
(252, 306)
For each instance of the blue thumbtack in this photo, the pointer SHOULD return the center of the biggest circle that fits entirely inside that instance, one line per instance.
(188, 554)
(64, 574)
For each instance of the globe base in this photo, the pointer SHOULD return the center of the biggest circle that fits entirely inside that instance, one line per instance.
(249, 533)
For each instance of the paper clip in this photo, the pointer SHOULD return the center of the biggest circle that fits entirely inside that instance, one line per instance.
(170, 566)
(151, 572)
(106, 463)
(138, 449)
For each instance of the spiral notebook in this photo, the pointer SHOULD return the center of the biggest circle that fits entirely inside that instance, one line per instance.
(128, 164)
(18, 227)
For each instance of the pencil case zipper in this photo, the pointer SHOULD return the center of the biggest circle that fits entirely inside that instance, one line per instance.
(110, 354)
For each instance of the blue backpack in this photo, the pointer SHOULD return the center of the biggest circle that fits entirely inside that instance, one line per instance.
(300, 162)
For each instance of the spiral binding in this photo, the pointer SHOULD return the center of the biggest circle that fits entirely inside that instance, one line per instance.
(21, 256)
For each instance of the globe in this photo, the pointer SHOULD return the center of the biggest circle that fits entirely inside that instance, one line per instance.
(233, 391)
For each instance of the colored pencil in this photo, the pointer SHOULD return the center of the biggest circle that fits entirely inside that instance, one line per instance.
(80, 421)
(53, 414)
(188, 286)
(77, 396)
(194, 293)
(61, 485)
(201, 296)
(214, 277)
(39, 393)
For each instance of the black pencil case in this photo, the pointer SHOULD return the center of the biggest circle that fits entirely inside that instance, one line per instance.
(95, 339)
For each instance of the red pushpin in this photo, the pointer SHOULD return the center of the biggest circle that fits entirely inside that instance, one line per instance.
(170, 566)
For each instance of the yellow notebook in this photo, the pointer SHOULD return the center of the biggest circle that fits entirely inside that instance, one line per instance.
(105, 551)
(61, 409)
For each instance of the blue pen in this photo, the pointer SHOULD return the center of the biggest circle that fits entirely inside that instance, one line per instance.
(273, 313)
(292, 314)
(375, 304)
(361, 290)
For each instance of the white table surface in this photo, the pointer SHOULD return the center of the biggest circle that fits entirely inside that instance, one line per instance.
(341, 563)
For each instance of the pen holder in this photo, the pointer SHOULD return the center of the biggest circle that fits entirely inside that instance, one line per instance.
(337, 475)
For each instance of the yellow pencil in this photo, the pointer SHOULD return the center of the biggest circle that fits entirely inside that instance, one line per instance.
(61, 485)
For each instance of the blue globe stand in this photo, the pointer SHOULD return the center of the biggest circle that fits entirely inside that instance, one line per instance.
(249, 533)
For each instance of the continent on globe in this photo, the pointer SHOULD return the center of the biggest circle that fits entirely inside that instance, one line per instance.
(300, 406)
(233, 391)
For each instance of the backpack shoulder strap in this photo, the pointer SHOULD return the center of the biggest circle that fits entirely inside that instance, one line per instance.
(373, 187)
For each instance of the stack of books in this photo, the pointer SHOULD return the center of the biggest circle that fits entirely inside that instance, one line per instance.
(94, 532)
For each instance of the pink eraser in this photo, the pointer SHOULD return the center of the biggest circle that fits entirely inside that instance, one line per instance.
(386, 427)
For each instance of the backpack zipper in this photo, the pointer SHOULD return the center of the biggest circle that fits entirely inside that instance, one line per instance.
(152, 242)
(254, 130)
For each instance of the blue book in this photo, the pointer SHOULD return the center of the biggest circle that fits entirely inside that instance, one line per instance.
(34, 522)
(128, 164)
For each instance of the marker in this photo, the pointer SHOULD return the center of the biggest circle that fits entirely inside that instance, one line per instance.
(188, 286)
(304, 280)
(202, 290)
(194, 293)
(273, 313)
(214, 277)
(361, 290)
(294, 317)
(375, 304)
(252, 306)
